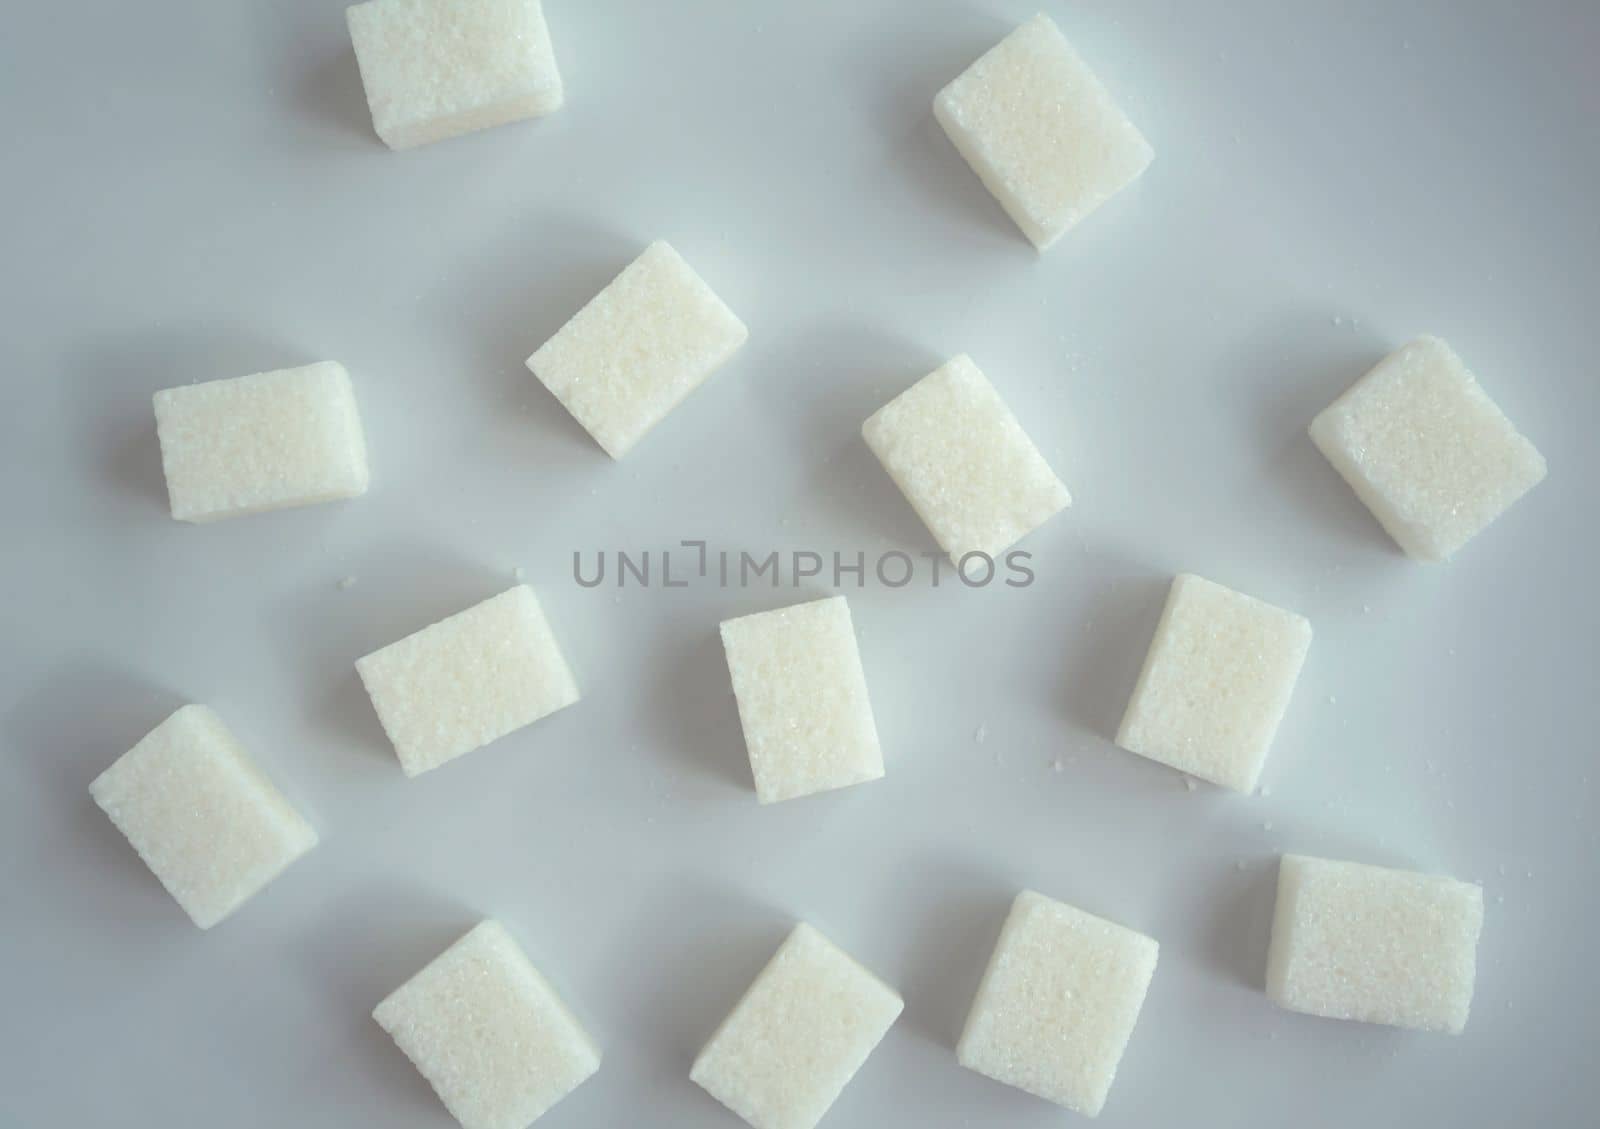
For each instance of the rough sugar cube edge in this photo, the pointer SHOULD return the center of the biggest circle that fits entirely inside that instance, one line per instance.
(1427, 450)
(638, 348)
(1041, 131)
(1058, 1003)
(467, 680)
(268, 441)
(434, 69)
(802, 699)
(201, 814)
(488, 1032)
(1373, 944)
(962, 460)
(1216, 683)
(797, 1036)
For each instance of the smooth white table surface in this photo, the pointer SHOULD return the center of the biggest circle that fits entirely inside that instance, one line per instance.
(193, 191)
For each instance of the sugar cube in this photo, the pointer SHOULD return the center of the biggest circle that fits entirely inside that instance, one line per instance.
(1372, 944)
(488, 1032)
(1424, 447)
(264, 442)
(467, 680)
(437, 68)
(641, 345)
(202, 816)
(1041, 132)
(1058, 1002)
(1215, 683)
(800, 1032)
(802, 698)
(963, 462)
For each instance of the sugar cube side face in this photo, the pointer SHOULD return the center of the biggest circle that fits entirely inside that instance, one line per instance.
(1215, 683)
(1376, 945)
(639, 347)
(1041, 131)
(433, 69)
(468, 680)
(1058, 1002)
(802, 698)
(269, 441)
(200, 813)
(801, 1031)
(964, 463)
(1426, 450)
(488, 1032)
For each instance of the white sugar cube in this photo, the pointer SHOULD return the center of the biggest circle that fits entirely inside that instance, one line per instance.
(802, 699)
(630, 356)
(1372, 944)
(467, 680)
(488, 1032)
(1425, 448)
(800, 1032)
(1058, 1002)
(1041, 131)
(437, 68)
(1215, 683)
(202, 816)
(963, 462)
(264, 442)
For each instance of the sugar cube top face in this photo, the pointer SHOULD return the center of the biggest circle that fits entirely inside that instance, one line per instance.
(468, 680)
(802, 699)
(1425, 448)
(202, 816)
(1058, 1002)
(1372, 944)
(488, 1032)
(263, 442)
(437, 68)
(1041, 131)
(1215, 683)
(638, 348)
(963, 462)
(802, 1030)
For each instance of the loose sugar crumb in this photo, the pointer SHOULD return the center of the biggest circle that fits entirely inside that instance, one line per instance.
(519, 574)
(1188, 782)
(346, 583)
(981, 734)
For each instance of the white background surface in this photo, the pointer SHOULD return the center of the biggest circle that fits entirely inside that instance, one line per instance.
(193, 191)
